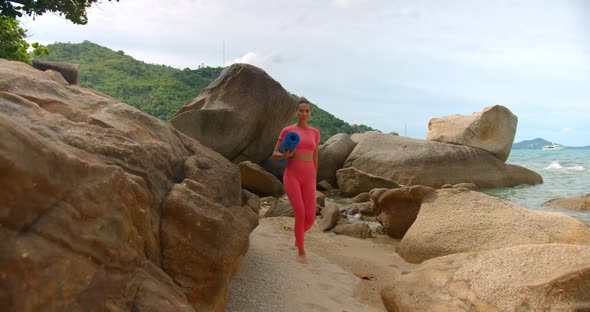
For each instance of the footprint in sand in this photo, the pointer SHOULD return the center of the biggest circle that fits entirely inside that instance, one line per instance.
(263, 234)
(290, 246)
(343, 274)
(315, 307)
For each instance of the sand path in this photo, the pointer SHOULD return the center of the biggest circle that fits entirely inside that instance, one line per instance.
(270, 279)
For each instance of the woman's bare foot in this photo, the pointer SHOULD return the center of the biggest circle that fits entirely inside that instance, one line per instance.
(302, 259)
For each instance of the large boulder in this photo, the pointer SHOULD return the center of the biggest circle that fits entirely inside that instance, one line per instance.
(357, 137)
(361, 198)
(205, 228)
(280, 209)
(251, 201)
(352, 182)
(257, 180)
(549, 277)
(330, 216)
(107, 207)
(68, 71)
(581, 203)
(239, 115)
(355, 229)
(492, 130)
(331, 156)
(375, 194)
(399, 208)
(458, 220)
(274, 167)
(418, 162)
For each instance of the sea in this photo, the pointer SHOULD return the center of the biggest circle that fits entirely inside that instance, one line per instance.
(566, 173)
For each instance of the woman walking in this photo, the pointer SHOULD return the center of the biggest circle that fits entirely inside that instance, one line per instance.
(299, 178)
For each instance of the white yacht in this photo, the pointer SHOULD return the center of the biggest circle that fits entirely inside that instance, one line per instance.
(553, 147)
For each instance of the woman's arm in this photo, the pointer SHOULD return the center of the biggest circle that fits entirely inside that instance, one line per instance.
(315, 160)
(315, 152)
(278, 155)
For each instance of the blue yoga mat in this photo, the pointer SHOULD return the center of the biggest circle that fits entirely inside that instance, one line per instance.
(289, 143)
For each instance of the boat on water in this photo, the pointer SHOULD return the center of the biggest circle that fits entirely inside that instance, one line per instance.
(553, 147)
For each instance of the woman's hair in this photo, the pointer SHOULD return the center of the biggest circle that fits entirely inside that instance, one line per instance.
(303, 100)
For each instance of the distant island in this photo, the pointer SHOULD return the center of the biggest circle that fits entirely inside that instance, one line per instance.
(538, 143)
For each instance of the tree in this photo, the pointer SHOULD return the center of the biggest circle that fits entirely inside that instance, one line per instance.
(12, 42)
(73, 10)
(12, 37)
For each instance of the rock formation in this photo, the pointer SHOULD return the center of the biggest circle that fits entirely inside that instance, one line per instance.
(259, 181)
(581, 203)
(352, 182)
(549, 277)
(418, 162)
(239, 115)
(68, 71)
(458, 220)
(492, 130)
(104, 206)
(331, 156)
(399, 208)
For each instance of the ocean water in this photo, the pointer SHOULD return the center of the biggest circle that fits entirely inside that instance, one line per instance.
(566, 173)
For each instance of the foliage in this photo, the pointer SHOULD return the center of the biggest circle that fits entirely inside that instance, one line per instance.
(12, 42)
(73, 10)
(157, 89)
(39, 50)
(12, 37)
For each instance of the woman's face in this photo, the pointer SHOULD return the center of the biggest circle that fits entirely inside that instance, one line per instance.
(303, 111)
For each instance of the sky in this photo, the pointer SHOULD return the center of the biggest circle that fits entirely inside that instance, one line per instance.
(389, 64)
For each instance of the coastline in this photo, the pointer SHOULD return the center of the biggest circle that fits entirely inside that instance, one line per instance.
(566, 173)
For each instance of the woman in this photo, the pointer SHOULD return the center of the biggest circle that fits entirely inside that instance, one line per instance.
(299, 178)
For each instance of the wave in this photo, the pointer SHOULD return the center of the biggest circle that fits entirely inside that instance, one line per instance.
(557, 166)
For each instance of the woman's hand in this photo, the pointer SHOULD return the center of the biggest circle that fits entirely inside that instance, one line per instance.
(285, 154)
(288, 153)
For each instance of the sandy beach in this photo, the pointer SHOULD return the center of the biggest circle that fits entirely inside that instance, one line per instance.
(270, 279)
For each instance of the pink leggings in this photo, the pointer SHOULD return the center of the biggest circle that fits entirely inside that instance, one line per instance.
(299, 181)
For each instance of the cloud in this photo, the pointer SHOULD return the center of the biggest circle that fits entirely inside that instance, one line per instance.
(406, 60)
(551, 43)
(346, 4)
(252, 58)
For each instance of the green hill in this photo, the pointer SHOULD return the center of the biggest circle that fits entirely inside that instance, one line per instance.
(158, 89)
(531, 144)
